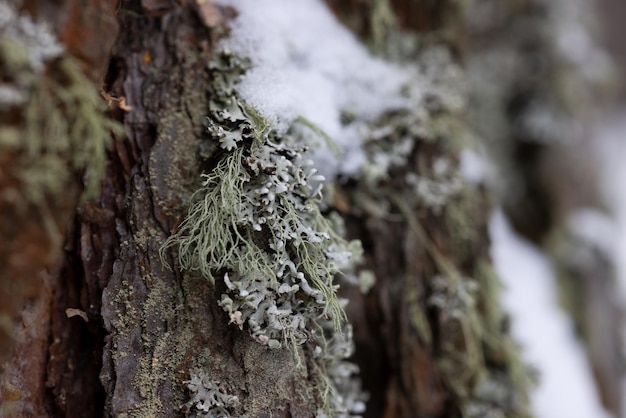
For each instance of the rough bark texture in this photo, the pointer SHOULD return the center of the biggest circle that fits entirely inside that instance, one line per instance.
(162, 324)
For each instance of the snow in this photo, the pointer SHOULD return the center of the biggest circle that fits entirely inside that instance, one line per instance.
(610, 138)
(474, 166)
(573, 23)
(305, 64)
(596, 228)
(566, 387)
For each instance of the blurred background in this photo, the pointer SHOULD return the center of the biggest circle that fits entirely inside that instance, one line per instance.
(567, 225)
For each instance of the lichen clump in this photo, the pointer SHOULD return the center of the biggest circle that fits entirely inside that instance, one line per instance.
(343, 397)
(208, 399)
(51, 116)
(256, 224)
(256, 230)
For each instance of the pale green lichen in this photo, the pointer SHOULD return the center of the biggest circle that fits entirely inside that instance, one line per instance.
(255, 229)
(412, 167)
(340, 387)
(256, 224)
(437, 186)
(52, 120)
(208, 399)
(432, 117)
(474, 321)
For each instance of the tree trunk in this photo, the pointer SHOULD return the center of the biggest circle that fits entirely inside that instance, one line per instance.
(112, 322)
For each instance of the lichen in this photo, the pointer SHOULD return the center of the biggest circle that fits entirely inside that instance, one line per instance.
(255, 229)
(256, 224)
(437, 186)
(432, 116)
(413, 168)
(339, 385)
(52, 116)
(207, 398)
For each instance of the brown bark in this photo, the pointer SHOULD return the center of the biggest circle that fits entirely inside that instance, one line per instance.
(48, 352)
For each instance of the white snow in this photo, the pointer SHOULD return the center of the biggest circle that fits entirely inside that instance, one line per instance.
(574, 28)
(545, 333)
(610, 138)
(305, 64)
(596, 228)
(474, 166)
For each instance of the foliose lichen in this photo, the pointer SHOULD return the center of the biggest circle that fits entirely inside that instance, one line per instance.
(207, 398)
(256, 230)
(341, 389)
(413, 168)
(256, 224)
(431, 115)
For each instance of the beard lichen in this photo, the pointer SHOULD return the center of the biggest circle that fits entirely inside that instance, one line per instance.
(52, 116)
(255, 229)
(256, 223)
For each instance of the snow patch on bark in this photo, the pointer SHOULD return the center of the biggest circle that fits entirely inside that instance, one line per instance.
(307, 66)
(566, 387)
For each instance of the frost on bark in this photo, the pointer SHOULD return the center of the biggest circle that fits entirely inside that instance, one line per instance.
(128, 324)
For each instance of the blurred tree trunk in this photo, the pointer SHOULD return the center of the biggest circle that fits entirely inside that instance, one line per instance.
(106, 329)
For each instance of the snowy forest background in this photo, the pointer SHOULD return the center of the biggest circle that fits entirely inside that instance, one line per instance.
(340, 208)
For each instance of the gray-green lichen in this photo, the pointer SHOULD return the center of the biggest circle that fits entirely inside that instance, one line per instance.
(413, 167)
(207, 398)
(51, 115)
(256, 231)
(341, 389)
(432, 116)
(256, 224)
